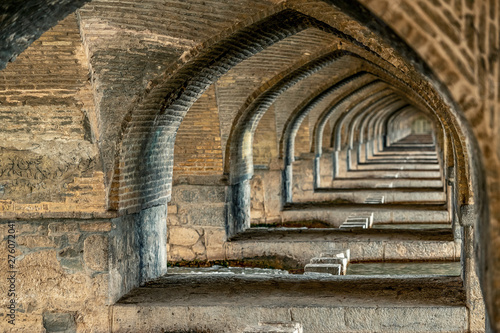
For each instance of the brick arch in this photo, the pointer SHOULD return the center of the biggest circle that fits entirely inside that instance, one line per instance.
(354, 124)
(294, 121)
(248, 119)
(142, 179)
(181, 87)
(172, 100)
(239, 149)
(293, 124)
(22, 24)
(181, 90)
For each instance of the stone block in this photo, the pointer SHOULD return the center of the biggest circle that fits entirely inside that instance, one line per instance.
(171, 209)
(96, 227)
(326, 260)
(275, 327)
(73, 238)
(179, 253)
(419, 250)
(217, 253)
(215, 237)
(35, 241)
(174, 220)
(95, 252)
(199, 247)
(59, 322)
(373, 250)
(61, 228)
(340, 253)
(353, 225)
(183, 236)
(197, 194)
(406, 319)
(211, 215)
(334, 269)
(320, 319)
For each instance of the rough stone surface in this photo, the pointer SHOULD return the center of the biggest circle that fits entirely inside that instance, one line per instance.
(264, 299)
(124, 106)
(95, 252)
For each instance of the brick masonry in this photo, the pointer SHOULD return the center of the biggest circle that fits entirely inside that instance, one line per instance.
(91, 110)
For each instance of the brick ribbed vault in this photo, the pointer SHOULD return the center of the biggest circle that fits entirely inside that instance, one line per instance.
(149, 99)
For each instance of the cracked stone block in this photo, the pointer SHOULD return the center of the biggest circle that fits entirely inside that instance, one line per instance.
(339, 253)
(59, 323)
(332, 260)
(334, 269)
(275, 327)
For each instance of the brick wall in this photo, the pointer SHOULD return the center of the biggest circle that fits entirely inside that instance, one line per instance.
(197, 145)
(49, 162)
(264, 141)
(62, 268)
(459, 40)
(302, 139)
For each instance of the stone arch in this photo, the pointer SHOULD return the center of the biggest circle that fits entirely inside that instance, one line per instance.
(136, 185)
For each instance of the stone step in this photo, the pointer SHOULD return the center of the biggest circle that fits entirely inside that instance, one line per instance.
(365, 244)
(375, 200)
(415, 159)
(337, 253)
(393, 174)
(391, 182)
(396, 167)
(221, 304)
(367, 218)
(334, 269)
(336, 214)
(275, 327)
(330, 260)
(356, 195)
(350, 225)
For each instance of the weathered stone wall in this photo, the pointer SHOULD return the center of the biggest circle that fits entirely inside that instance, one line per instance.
(265, 142)
(62, 270)
(196, 222)
(197, 148)
(58, 154)
(459, 40)
(49, 162)
(68, 271)
(303, 179)
(302, 139)
(266, 198)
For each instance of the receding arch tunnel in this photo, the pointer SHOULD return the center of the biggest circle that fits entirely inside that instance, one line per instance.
(318, 137)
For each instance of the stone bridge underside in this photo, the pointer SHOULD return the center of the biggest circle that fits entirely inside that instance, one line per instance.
(137, 134)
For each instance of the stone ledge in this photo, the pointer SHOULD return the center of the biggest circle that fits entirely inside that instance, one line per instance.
(218, 303)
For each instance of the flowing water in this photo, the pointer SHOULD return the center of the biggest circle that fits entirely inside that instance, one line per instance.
(411, 226)
(216, 269)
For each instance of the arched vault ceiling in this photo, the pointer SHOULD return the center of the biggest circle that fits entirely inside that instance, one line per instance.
(290, 99)
(240, 82)
(323, 105)
(189, 22)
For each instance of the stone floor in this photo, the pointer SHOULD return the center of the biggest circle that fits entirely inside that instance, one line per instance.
(228, 303)
(411, 224)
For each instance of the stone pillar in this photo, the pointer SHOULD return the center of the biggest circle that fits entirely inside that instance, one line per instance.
(287, 191)
(238, 210)
(336, 164)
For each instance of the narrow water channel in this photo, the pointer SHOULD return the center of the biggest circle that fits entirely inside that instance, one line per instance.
(415, 268)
